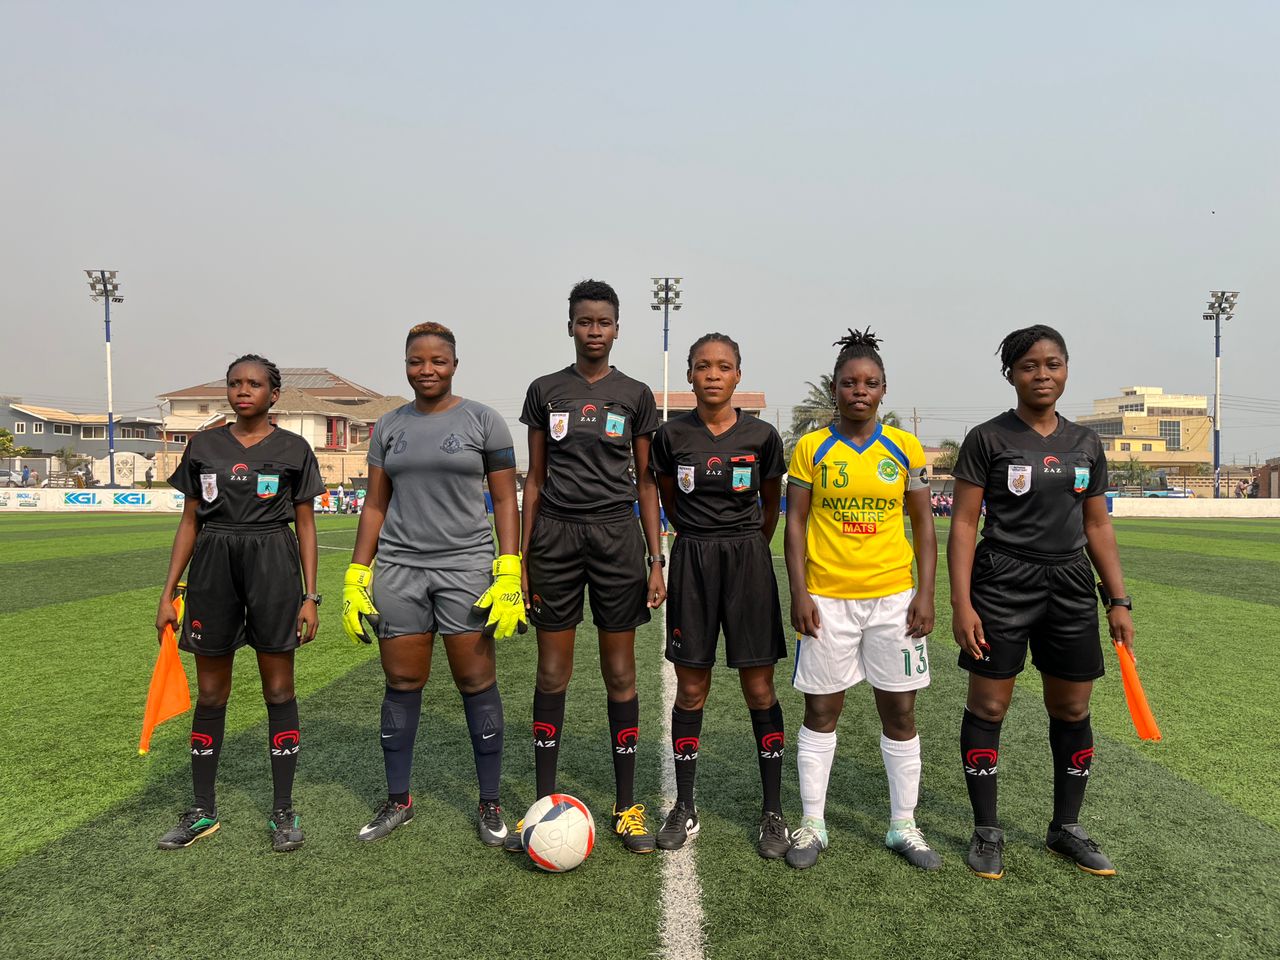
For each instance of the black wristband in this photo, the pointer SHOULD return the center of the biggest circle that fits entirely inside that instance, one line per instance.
(659, 559)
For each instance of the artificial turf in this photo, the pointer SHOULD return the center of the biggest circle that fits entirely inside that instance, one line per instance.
(1191, 821)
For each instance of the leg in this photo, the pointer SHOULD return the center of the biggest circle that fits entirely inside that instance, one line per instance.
(471, 660)
(692, 684)
(816, 749)
(555, 667)
(987, 702)
(213, 680)
(618, 667)
(406, 663)
(767, 727)
(900, 748)
(276, 670)
(1071, 740)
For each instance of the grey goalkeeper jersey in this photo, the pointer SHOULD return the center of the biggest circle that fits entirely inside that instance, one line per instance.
(437, 464)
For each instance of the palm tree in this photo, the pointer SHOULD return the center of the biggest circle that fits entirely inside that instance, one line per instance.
(892, 419)
(946, 460)
(815, 411)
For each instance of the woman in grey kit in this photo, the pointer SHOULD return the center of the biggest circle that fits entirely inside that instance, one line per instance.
(424, 517)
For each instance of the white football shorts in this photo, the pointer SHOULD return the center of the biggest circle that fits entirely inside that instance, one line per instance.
(861, 640)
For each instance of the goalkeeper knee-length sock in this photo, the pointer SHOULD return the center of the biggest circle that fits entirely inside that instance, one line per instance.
(1072, 746)
(400, 712)
(979, 751)
(282, 728)
(207, 727)
(766, 725)
(484, 721)
(548, 718)
(686, 729)
(624, 736)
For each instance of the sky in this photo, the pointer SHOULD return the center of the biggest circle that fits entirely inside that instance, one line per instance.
(307, 180)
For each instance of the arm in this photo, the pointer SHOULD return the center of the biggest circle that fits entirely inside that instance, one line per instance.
(372, 517)
(184, 544)
(770, 504)
(1105, 556)
(647, 493)
(966, 626)
(920, 614)
(667, 493)
(532, 500)
(506, 512)
(304, 522)
(357, 604)
(804, 612)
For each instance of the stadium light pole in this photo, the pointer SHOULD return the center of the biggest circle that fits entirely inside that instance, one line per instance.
(666, 297)
(1222, 306)
(105, 287)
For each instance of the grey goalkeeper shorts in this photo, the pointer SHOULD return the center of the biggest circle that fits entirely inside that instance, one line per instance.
(426, 600)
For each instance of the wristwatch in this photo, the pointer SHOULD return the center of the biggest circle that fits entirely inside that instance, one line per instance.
(659, 559)
(1109, 602)
(314, 597)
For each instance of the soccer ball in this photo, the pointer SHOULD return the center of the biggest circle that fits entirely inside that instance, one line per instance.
(558, 832)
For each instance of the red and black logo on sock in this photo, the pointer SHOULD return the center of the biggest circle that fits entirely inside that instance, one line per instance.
(544, 734)
(980, 762)
(684, 749)
(626, 739)
(1081, 762)
(284, 743)
(771, 745)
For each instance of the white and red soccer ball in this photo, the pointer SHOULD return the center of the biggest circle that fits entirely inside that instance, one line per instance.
(558, 832)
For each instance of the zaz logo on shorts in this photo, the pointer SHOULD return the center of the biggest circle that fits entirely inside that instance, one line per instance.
(81, 499)
(196, 627)
(980, 762)
(626, 740)
(201, 745)
(240, 471)
(685, 748)
(284, 743)
(1080, 762)
(544, 734)
(771, 745)
(134, 499)
(1052, 464)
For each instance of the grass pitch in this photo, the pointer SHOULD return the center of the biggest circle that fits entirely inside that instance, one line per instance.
(1191, 822)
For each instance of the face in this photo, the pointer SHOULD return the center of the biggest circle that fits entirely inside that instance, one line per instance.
(429, 365)
(715, 373)
(594, 327)
(1039, 375)
(859, 387)
(249, 389)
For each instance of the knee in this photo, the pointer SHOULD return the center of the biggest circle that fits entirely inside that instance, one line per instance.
(1070, 712)
(690, 698)
(621, 686)
(278, 692)
(821, 719)
(898, 724)
(990, 709)
(212, 698)
(759, 696)
(405, 680)
(474, 681)
(553, 677)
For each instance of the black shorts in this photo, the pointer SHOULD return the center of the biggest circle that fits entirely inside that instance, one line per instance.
(1050, 607)
(566, 556)
(729, 585)
(244, 586)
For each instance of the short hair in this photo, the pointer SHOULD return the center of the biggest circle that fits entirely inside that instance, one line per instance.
(273, 372)
(857, 345)
(715, 338)
(431, 329)
(1015, 346)
(593, 290)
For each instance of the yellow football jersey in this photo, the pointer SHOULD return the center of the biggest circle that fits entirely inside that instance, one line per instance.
(856, 544)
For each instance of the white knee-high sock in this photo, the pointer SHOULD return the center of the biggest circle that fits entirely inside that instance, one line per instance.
(902, 765)
(814, 753)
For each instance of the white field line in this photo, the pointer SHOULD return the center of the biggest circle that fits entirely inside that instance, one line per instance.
(683, 936)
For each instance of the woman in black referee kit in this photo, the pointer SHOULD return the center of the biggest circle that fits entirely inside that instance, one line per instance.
(720, 477)
(588, 424)
(244, 484)
(1030, 584)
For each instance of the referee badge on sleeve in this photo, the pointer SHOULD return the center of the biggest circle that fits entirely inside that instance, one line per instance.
(559, 425)
(685, 478)
(209, 487)
(1019, 478)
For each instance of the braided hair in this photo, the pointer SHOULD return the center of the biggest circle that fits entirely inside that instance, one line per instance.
(1015, 346)
(715, 338)
(857, 345)
(593, 290)
(431, 329)
(273, 372)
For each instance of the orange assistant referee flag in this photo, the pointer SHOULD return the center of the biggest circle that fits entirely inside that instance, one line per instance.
(168, 694)
(1144, 721)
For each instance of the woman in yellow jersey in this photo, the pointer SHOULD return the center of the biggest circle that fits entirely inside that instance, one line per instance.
(853, 601)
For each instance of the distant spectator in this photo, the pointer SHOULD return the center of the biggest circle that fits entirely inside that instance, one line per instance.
(26, 474)
(149, 475)
(1253, 489)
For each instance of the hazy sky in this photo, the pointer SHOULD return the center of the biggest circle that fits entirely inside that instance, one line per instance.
(305, 180)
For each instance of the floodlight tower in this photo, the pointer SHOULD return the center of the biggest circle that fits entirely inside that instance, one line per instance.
(666, 297)
(106, 288)
(1222, 306)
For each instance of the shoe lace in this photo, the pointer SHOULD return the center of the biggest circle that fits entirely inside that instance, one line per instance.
(774, 827)
(191, 817)
(385, 811)
(631, 821)
(806, 837)
(987, 847)
(913, 837)
(282, 818)
(491, 815)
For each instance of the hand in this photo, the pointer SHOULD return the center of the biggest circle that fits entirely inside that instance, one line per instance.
(966, 627)
(804, 615)
(524, 583)
(1120, 626)
(920, 615)
(166, 616)
(308, 621)
(505, 599)
(357, 603)
(657, 590)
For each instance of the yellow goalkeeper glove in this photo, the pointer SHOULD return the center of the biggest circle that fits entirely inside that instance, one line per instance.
(357, 603)
(504, 599)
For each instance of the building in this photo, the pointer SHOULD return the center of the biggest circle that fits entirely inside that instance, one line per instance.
(682, 401)
(46, 430)
(1170, 432)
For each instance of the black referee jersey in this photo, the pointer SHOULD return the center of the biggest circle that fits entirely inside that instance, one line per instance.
(589, 429)
(1034, 486)
(235, 484)
(718, 478)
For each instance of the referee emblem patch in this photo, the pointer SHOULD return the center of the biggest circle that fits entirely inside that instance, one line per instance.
(1082, 479)
(559, 425)
(615, 424)
(741, 478)
(887, 470)
(684, 477)
(1019, 478)
(268, 485)
(209, 487)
